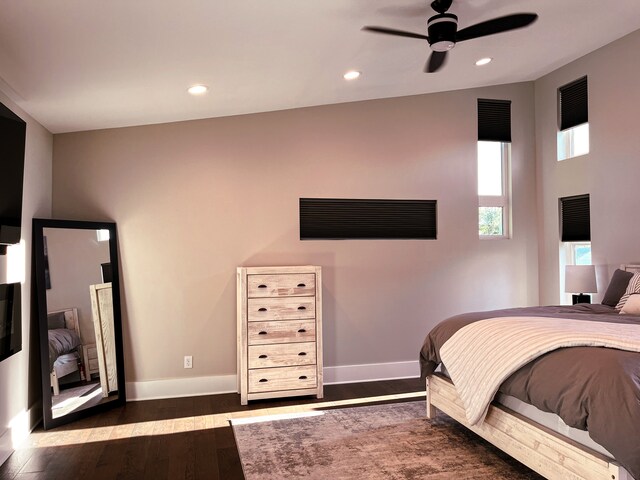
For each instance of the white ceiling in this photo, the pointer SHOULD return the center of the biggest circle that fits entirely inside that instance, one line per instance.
(89, 64)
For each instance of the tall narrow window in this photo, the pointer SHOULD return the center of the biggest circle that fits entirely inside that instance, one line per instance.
(575, 229)
(575, 234)
(494, 155)
(573, 118)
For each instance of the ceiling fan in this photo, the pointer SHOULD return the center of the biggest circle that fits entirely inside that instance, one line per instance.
(443, 33)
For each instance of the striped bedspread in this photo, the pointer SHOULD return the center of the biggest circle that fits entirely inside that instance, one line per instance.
(481, 355)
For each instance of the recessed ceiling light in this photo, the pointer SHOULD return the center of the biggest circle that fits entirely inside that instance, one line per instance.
(484, 61)
(198, 89)
(351, 75)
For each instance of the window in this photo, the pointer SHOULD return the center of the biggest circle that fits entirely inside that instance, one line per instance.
(333, 219)
(575, 233)
(580, 253)
(494, 156)
(573, 116)
(493, 189)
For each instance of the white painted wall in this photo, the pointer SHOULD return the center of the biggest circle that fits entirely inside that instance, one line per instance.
(20, 404)
(610, 173)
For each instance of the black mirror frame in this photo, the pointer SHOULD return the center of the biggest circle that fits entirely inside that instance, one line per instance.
(39, 224)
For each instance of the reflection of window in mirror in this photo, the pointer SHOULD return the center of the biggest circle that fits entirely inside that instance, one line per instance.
(103, 235)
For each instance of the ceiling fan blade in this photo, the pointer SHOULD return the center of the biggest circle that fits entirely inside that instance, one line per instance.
(496, 25)
(435, 62)
(393, 31)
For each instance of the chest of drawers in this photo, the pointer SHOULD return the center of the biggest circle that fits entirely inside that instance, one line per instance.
(279, 332)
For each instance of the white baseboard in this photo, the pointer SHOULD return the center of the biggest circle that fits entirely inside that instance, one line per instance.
(371, 372)
(19, 429)
(191, 387)
(181, 387)
(6, 445)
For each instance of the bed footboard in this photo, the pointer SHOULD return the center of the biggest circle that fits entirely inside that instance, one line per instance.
(541, 449)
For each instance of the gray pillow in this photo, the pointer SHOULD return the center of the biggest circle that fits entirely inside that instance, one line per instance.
(617, 287)
(56, 320)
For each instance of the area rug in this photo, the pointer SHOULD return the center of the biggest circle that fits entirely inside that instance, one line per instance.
(390, 442)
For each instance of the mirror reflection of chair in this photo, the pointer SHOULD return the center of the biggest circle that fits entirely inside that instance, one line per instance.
(79, 318)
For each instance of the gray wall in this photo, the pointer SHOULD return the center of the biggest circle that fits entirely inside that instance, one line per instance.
(194, 200)
(609, 173)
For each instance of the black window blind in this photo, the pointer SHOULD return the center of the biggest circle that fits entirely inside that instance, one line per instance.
(494, 120)
(573, 104)
(575, 219)
(334, 219)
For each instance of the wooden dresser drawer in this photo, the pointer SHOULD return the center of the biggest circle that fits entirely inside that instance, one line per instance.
(280, 308)
(90, 352)
(283, 331)
(282, 355)
(284, 378)
(281, 285)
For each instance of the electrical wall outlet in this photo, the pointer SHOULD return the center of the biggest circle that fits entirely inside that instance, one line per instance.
(188, 361)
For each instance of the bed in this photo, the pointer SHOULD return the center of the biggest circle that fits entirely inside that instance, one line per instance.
(574, 384)
(65, 346)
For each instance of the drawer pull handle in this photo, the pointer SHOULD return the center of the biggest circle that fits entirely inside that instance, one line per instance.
(262, 356)
(262, 333)
(262, 285)
(301, 285)
(302, 354)
(262, 309)
(302, 330)
(263, 380)
(301, 377)
(302, 307)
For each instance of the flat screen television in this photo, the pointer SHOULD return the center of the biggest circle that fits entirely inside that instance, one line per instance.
(12, 143)
(10, 320)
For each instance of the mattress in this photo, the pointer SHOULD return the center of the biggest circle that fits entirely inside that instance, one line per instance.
(66, 364)
(551, 421)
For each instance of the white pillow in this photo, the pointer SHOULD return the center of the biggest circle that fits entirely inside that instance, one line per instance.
(633, 287)
(632, 305)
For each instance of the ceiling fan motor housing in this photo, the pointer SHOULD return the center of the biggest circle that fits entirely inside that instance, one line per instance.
(442, 31)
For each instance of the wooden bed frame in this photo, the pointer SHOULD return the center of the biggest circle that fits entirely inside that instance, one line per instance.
(539, 448)
(549, 453)
(72, 323)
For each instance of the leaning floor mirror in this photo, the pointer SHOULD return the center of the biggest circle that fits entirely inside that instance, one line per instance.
(77, 287)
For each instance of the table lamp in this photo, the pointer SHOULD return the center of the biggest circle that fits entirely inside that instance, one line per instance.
(580, 280)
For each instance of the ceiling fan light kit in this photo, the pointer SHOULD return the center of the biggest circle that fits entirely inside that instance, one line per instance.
(443, 33)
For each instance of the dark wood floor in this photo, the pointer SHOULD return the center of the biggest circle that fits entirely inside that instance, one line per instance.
(154, 439)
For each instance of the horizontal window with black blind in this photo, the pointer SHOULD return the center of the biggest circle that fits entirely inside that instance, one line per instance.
(494, 120)
(339, 219)
(573, 102)
(575, 219)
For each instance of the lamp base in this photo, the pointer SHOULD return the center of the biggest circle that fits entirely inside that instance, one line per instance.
(581, 298)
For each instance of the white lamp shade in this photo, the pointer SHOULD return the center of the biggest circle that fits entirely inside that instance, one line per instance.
(580, 279)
